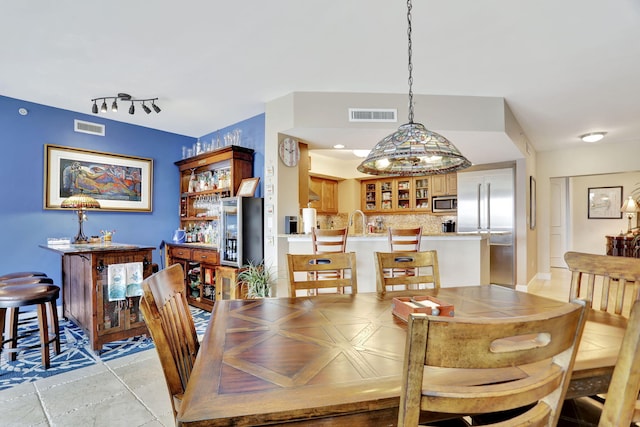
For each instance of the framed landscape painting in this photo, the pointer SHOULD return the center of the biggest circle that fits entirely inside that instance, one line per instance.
(119, 182)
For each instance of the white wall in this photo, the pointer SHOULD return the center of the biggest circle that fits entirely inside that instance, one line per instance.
(581, 160)
(587, 235)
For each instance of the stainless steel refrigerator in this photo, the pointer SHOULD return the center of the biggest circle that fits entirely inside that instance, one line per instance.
(241, 231)
(486, 204)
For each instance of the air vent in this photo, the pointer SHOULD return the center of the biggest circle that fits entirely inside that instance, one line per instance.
(88, 127)
(373, 115)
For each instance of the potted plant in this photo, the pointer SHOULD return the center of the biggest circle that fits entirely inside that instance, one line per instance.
(256, 280)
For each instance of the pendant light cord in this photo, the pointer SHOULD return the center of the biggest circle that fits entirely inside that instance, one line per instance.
(409, 6)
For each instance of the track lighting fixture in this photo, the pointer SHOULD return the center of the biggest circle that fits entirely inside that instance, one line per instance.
(123, 97)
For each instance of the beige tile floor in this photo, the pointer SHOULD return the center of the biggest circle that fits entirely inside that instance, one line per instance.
(129, 391)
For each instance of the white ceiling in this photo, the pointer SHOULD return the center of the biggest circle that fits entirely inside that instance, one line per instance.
(564, 67)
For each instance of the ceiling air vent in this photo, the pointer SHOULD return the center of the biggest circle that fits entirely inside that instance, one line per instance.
(373, 115)
(88, 127)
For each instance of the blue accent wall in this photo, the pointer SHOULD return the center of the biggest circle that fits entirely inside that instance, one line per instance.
(26, 224)
(252, 136)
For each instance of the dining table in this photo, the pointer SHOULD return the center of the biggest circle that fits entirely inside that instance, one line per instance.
(337, 359)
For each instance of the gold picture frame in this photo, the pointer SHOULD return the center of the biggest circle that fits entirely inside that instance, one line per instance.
(119, 182)
(248, 187)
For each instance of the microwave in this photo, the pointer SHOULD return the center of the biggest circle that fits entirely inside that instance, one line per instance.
(444, 204)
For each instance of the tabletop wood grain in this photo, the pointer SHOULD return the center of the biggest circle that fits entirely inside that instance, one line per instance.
(337, 359)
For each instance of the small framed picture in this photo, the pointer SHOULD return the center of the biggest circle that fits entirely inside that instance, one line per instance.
(605, 203)
(248, 187)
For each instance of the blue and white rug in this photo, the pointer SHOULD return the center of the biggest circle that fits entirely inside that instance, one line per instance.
(75, 351)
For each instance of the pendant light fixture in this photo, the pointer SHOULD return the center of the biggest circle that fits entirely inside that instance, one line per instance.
(413, 150)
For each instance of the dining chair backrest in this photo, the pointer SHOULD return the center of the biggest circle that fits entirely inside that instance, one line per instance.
(314, 265)
(168, 318)
(405, 239)
(329, 240)
(486, 365)
(608, 283)
(424, 264)
(621, 404)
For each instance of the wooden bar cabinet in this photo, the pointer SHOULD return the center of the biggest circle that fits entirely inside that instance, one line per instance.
(85, 294)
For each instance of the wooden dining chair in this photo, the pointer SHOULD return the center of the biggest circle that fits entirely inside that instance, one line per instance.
(328, 241)
(403, 240)
(515, 367)
(608, 283)
(621, 405)
(424, 264)
(314, 265)
(168, 318)
(611, 284)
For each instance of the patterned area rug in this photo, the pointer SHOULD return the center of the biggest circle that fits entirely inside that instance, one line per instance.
(75, 351)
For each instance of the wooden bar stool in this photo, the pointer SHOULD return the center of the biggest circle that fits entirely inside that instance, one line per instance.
(14, 295)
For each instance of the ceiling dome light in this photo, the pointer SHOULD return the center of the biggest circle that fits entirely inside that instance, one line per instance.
(338, 146)
(593, 136)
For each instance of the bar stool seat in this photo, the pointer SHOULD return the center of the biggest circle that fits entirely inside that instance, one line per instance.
(22, 274)
(15, 295)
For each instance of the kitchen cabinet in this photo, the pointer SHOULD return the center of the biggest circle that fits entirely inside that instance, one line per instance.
(379, 195)
(396, 195)
(85, 290)
(422, 193)
(444, 185)
(327, 190)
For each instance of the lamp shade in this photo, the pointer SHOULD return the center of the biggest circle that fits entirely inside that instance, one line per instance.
(413, 150)
(630, 206)
(80, 201)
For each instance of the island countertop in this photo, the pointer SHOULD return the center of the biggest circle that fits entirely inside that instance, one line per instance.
(463, 258)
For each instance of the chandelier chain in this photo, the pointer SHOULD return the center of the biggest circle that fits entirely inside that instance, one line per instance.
(410, 51)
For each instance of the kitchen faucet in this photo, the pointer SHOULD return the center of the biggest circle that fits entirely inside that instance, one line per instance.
(364, 220)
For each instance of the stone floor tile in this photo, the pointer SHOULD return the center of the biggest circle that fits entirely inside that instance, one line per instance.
(22, 411)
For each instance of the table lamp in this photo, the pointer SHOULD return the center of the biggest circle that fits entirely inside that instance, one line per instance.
(630, 207)
(81, 202)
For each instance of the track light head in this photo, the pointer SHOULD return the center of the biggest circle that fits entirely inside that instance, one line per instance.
(132, 109)
(103, 109)
(145, 108)
(155, 107)
(114, 106)
(94, 109)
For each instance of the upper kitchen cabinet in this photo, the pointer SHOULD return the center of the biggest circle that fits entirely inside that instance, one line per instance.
(422, 193)
(326, 190)
(379, 195)
(444, 185)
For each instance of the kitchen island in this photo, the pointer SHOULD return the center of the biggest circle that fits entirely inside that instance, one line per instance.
(463, 258)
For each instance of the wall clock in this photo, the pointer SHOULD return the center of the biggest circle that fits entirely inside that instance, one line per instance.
(289, 152)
